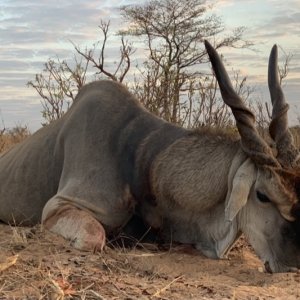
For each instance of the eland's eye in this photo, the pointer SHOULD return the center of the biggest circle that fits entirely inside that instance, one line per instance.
(262, 197)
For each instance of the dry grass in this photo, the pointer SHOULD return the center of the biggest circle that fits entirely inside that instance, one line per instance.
(9, 138)
(40, 265)
(44, 266)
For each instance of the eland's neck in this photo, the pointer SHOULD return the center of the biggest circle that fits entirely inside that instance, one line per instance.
(189, 183)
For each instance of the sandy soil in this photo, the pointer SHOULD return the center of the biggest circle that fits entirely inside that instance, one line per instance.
(39, 265)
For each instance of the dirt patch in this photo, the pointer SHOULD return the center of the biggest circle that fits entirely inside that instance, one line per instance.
(39, 265)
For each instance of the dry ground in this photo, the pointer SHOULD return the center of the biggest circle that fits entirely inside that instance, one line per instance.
(39, 265)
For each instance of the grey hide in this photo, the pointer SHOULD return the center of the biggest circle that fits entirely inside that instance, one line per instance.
(108, 159)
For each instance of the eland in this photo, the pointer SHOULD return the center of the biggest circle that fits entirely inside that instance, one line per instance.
(86, 175)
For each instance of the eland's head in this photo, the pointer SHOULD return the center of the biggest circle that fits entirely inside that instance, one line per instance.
(263, 190)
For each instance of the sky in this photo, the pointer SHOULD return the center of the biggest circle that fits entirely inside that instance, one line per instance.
(31, 31)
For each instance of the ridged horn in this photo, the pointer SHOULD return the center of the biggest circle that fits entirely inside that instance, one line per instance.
(252, 144)
(279, 131)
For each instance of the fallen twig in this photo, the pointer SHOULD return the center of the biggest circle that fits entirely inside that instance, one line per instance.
(8, 263)
(167, 286)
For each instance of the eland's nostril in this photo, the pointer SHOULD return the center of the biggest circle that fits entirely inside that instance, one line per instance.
(267, 267)
(295, 211)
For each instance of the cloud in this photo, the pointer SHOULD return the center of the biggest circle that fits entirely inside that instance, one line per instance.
(32, 31)
(282, 22)
(20, 112)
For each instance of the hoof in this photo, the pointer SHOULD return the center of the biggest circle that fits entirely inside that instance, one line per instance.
(78, 226)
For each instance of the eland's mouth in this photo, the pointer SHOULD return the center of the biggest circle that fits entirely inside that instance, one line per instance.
(268, 268)
(276, 268)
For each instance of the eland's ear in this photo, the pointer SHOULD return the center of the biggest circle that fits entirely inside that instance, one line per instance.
(242, 182)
